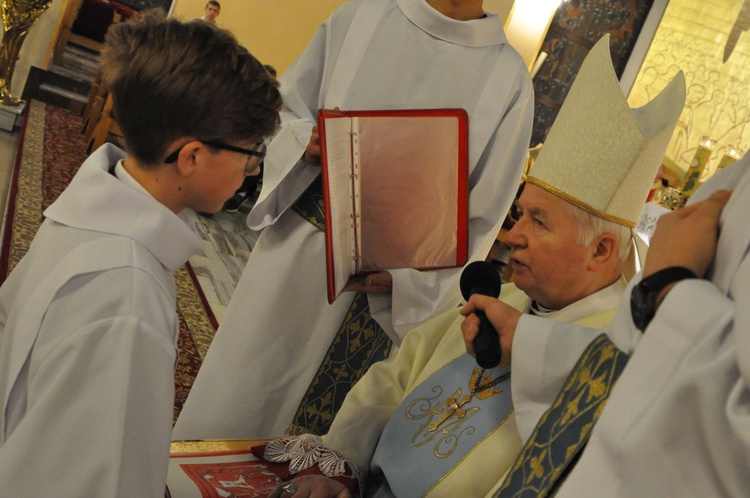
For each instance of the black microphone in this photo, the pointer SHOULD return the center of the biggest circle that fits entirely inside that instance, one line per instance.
(482, 278)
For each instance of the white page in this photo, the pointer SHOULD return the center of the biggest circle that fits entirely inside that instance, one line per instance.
(338, 158)
(409, 199)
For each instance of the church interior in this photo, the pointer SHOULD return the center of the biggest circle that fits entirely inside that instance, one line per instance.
(651, 40)
(55, 76)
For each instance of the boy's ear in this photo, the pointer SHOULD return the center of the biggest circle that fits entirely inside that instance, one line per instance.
(188, 158)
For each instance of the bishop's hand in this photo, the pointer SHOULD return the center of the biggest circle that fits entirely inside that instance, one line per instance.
(317, 486)
(503, 318)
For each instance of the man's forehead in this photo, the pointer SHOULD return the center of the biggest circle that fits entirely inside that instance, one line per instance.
(537, 199)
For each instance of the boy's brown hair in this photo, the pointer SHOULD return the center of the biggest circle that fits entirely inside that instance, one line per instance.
(172, 79)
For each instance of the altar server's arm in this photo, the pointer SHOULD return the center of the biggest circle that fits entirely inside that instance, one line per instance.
(286, 174)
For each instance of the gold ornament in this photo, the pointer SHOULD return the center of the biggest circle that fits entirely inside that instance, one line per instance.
(18, 17)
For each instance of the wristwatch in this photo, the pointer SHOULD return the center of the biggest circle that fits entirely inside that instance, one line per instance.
(643, 297)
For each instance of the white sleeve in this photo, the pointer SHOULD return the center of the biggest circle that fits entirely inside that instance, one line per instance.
(98, 416)
(682, 400)
(286, 175)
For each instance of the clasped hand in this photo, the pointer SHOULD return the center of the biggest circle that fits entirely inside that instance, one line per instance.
(687, 237)
(503, 318)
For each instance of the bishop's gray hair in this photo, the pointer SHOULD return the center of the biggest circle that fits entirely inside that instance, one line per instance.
(590, 226)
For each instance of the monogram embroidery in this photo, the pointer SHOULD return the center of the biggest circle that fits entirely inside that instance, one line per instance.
(449, 415)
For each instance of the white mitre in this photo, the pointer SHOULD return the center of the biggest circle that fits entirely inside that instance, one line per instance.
(600, 154)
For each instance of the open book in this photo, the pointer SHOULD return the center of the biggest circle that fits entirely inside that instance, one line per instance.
(395, 185)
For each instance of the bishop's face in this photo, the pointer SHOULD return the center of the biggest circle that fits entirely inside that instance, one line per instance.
(547, 262)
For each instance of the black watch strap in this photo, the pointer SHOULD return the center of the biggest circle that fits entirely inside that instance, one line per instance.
(643, 297)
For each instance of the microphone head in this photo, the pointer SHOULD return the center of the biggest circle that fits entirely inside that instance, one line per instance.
(480, 277)
(488, 358)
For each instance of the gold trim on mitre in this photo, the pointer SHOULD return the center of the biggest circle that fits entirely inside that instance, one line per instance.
(600, 154)
(552, 190)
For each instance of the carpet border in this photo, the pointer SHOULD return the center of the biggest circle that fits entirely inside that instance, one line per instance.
(23, 194)
(10, 202)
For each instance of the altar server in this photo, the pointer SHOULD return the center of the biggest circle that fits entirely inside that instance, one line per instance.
(88, 328)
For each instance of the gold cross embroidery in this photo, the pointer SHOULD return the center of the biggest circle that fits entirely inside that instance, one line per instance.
(455, 408)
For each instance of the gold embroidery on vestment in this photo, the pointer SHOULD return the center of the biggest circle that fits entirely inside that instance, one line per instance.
(445, 422)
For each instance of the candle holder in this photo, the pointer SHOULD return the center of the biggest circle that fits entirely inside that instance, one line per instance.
(733, 153)
(697, 166)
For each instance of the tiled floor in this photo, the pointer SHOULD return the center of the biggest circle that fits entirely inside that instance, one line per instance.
(227, 240)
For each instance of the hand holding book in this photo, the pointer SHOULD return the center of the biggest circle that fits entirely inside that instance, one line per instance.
(375, 283)
(312, 150)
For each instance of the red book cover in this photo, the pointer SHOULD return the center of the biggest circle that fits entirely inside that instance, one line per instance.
(395, 184)
(218, 473)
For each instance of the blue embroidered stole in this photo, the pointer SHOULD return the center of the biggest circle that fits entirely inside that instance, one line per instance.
(412, 453)
(562, 432)
(359, 343)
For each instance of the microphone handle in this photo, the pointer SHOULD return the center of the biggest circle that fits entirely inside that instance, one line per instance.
(486, 343)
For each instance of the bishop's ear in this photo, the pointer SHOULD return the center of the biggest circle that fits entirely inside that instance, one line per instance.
(605, 248)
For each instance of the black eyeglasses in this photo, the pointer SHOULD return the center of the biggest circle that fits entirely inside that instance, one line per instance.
(255, 155)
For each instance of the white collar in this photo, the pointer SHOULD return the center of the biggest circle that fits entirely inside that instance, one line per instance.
(98, 201)
(122, 174)
(475, 33)
(603, 299)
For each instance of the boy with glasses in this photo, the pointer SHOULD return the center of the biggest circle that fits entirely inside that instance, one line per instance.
(88, 330)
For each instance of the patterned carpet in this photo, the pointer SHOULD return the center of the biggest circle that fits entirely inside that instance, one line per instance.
(50, 150)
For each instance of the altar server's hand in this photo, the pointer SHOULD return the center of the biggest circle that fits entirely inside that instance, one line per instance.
(312, 486)
(374, 283)
(312, 150)
(503, 318)
(687, 237)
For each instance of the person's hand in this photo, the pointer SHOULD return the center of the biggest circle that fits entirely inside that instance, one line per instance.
(687, 237)
(503, 318)
(374, 283)
(313, 486)
(312, 150)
